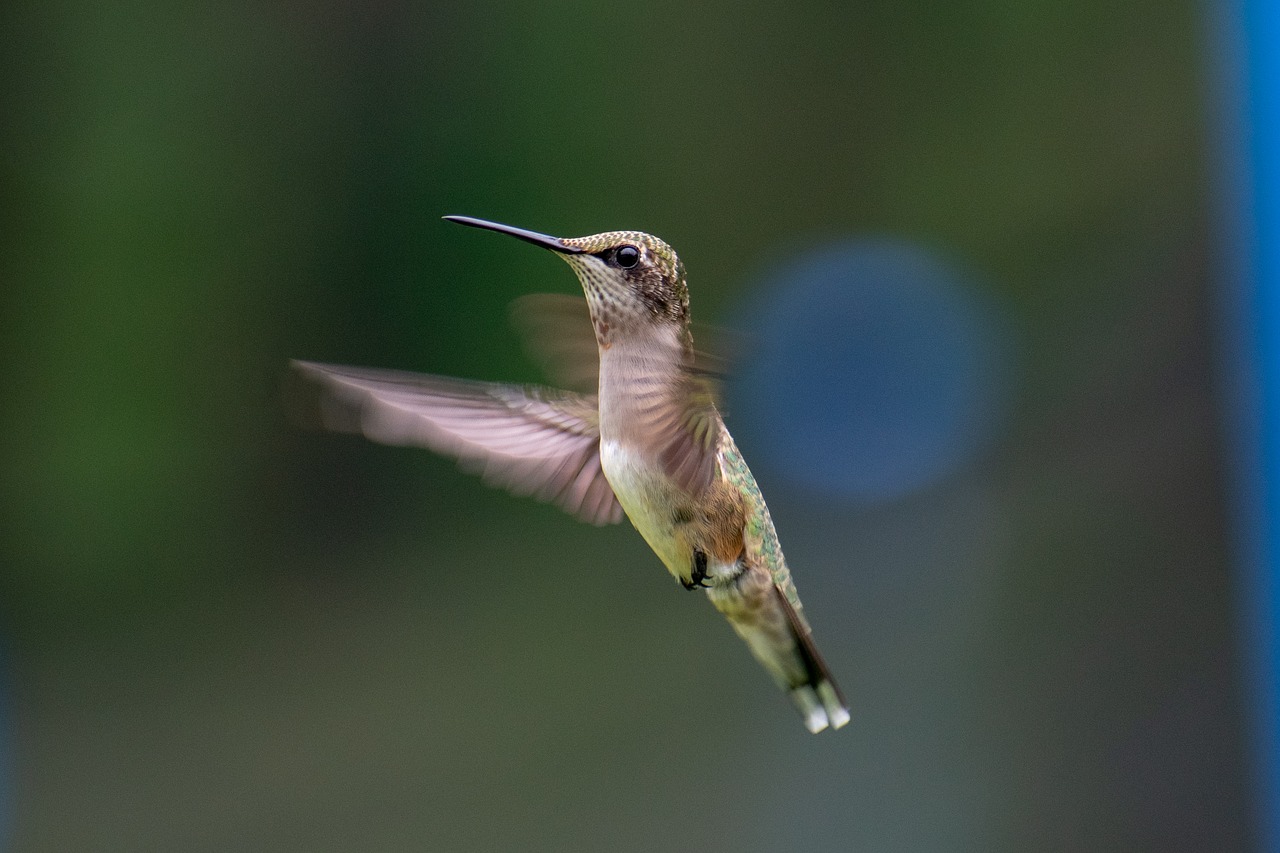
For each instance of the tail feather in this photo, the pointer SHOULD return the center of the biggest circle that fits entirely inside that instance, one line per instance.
(817, 697)
(780, 640)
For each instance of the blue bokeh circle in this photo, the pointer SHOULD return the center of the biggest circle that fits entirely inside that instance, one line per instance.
(876, 368)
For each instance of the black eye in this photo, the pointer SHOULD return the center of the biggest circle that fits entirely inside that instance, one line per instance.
(627, 256)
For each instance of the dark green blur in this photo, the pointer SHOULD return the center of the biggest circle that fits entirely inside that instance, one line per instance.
(223, 632)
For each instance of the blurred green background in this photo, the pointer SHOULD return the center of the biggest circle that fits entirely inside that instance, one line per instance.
(225, 633)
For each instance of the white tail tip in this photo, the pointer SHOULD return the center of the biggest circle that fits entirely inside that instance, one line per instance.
(821, 709)
(837, 713)
(816, 720)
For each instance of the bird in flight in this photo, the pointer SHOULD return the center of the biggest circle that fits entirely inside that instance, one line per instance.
(641, 438)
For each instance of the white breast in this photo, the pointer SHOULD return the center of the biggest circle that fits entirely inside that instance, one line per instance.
(644, 494)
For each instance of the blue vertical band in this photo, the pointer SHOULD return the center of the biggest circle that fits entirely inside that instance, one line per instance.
(1249, 179)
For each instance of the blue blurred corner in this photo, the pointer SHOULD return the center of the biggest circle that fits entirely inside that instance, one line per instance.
(1248, 119)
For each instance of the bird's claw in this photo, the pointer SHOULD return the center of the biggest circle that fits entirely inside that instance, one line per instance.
(698, 577)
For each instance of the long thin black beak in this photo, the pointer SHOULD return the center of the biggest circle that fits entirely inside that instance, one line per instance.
(543, 240)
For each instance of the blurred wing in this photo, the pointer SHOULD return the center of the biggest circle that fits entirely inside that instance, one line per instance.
(678, 426)
(693, 437)
(529, 440)
(557, 331)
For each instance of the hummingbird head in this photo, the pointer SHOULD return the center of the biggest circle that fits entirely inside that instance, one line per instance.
(634, 282)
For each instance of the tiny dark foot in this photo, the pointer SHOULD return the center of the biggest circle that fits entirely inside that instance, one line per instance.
(699, 574)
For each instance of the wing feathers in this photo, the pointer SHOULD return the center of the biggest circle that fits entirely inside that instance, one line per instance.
(530, 441)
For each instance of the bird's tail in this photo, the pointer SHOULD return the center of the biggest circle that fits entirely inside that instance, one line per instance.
(815, 693)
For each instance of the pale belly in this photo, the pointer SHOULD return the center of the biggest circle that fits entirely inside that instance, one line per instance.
(648, 500)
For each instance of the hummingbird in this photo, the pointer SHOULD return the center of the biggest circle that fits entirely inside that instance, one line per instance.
(647, 442)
